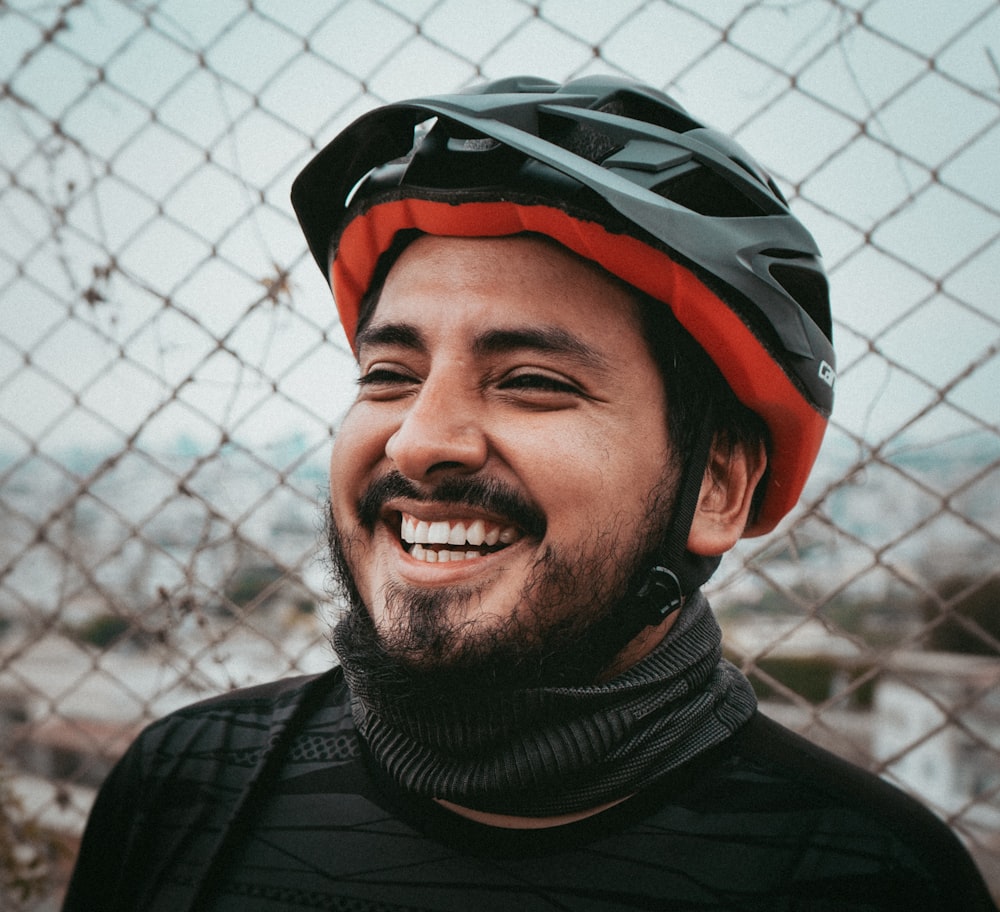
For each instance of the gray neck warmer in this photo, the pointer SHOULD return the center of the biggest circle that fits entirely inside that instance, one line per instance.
(556, 750)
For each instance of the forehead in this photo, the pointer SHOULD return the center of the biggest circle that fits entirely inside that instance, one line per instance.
(525, 280)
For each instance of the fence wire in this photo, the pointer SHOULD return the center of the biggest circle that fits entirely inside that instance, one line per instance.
(171, 373)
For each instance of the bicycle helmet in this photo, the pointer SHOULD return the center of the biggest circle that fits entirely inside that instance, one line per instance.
(622, 175)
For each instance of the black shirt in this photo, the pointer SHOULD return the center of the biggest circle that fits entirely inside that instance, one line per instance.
(265, 799)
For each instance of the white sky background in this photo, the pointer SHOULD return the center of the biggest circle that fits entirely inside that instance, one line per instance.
(161, 194)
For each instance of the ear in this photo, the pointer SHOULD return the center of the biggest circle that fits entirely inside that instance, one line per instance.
(726, 497)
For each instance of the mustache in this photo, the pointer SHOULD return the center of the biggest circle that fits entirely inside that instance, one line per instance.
(487, 494)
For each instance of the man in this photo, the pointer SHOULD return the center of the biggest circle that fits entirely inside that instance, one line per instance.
(593, 352)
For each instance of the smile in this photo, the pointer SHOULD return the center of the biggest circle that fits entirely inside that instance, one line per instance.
(453, 540)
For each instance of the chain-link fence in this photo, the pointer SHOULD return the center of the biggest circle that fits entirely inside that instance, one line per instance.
(171, 373)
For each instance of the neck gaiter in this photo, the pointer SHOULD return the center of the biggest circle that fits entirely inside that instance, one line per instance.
(555, 750)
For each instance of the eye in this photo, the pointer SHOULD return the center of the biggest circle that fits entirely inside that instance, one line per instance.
(533, 381)
(385, 380)
(379, 375)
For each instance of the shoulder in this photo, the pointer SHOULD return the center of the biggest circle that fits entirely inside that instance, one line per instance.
(260, 697)
(848, 817)
(198, 763)
(235, 727)
(828, 780)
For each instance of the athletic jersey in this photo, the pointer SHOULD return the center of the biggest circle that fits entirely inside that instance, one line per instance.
(266, 799)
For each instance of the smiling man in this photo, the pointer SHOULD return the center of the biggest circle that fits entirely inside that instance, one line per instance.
(594, 352)
(503, 501)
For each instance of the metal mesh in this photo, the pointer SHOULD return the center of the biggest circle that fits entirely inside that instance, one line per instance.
(171, 373)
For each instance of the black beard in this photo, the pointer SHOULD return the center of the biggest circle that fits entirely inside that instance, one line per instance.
(425, 654)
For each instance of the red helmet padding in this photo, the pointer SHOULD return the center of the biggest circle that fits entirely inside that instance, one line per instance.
(760, 384)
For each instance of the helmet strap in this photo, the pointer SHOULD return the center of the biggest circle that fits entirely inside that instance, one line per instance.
(679, 572)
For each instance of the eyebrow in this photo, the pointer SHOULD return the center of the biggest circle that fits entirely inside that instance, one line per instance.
(546, 339)
(549, 340)
(404, 335)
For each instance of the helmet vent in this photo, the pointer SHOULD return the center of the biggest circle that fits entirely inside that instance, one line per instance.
(776, 190)
(808, 288)
(638, 107)
(705, 192)
(583, 139)
(453, 155)
(576, 138)
(477, 144)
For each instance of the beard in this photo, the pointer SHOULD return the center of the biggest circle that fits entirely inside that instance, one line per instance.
(565, 629)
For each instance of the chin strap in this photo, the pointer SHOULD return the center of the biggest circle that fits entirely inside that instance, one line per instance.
(679, 572)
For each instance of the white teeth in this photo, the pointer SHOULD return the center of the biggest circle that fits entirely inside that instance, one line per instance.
(437, 534)
(429, 556)
(476, 533)
(454, 533)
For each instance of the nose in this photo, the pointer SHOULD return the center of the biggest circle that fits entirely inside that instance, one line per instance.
(442, 431)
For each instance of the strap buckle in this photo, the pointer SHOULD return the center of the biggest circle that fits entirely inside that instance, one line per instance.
(661, 592)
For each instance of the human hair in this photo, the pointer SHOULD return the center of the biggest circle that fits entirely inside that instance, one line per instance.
(696, 391)
(369, 300)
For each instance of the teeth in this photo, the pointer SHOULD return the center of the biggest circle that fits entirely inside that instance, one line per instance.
(476, 533)
(428, 555)
(455, 534)
(437, 534)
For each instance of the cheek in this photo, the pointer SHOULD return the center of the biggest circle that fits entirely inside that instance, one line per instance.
(357, 449)
(600, 482)
(340, 463)
(574, 473)
(348, 472)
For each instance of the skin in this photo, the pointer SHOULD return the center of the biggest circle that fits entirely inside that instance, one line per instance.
(512, 361)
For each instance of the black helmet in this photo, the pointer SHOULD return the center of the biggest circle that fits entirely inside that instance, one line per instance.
(622, 175)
